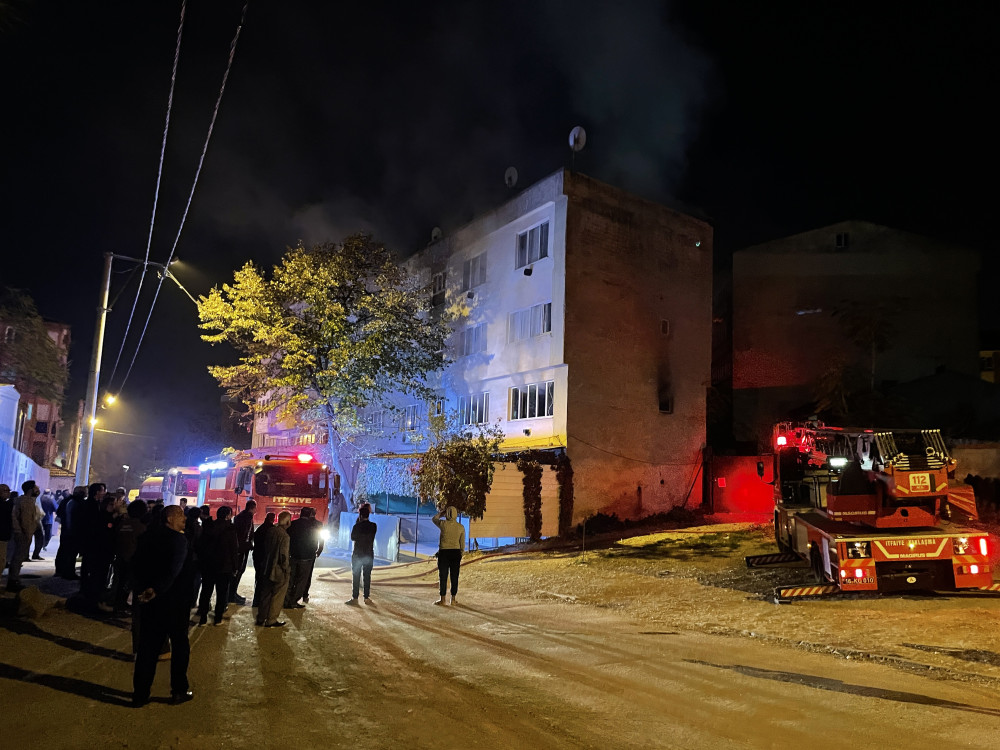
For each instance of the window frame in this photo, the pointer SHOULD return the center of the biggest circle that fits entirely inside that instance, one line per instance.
(525, 398)
(542, 248)
(474, 408)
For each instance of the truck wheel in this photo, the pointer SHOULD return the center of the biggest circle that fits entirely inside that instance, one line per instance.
(816, 561)
(783, 546)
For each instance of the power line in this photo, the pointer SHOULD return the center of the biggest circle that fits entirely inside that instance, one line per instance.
(156, 192)
(201, 161)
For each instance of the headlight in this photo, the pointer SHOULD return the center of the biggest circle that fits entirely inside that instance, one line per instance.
(859, 550)
(324, 534)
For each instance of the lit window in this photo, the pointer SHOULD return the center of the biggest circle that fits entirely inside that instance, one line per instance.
(436, 408)
(474, 409)
(532, 400)
(474, 272)
(472, 340)
(532, 245)
(533, 321)
(411, 418)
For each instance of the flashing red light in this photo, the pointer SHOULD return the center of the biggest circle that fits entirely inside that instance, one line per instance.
(982, 546)
(859, 573)
(782, 440)
(721, 481)
(305, 457)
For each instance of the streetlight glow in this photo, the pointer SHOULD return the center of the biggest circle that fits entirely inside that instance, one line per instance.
(110, 399)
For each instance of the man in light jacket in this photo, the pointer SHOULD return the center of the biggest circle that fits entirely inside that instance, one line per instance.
(450, 550)
(277, 571)
(25, 518)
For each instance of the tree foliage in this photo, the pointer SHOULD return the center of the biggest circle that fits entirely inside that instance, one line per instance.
(532, 471)
(458, 467)
(29, 358)
(332, 329)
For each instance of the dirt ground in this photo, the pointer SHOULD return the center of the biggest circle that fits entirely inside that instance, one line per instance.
(659, 640)
(695, 579)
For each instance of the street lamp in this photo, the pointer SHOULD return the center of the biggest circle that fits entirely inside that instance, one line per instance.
(93, 379)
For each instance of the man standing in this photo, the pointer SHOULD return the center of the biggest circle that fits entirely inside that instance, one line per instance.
(450, 550)
(218, 559)
(363, 557)
(48, 510)
(163, 581)
(305, 545)
(69, 543)
(6, 523)
(276, 572)
(25, 518)
(87, 522)
(243, 523)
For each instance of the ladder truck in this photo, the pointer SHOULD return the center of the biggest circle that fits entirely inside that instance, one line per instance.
(873, 510)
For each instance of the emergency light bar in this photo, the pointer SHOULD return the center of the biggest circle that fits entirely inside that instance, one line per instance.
(305, 457)
(213, 465)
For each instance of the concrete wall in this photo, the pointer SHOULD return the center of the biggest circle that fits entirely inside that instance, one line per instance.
(638, 331)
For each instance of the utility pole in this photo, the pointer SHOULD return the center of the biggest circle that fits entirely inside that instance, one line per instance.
(93, 380)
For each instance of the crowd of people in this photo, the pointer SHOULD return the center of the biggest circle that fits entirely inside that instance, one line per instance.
(157, 564)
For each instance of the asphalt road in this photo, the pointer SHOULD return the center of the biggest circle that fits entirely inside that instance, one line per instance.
(491, 672)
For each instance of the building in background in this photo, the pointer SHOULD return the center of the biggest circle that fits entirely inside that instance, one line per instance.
(888, 306)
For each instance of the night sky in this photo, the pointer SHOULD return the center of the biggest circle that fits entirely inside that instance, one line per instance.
(766, 118)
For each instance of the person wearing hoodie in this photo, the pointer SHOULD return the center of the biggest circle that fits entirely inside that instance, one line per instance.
(450, 549)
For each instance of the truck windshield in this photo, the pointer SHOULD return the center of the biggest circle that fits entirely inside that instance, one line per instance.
(186, 486)
(307, 480)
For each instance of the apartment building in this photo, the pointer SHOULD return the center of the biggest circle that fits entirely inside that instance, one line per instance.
(588, 331)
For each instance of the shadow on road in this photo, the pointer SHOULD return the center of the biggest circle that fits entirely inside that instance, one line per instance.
(25, 627)
(72, 685)
(839, 686)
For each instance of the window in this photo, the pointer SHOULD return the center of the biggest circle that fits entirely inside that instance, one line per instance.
(374, 421)
(411, 418)
(533, 400)
(472, 340)
(474, 409)
(308, 438)
(843, 240)
(42, 427)
(986, 364)
(436, 408)
(532, 245)
(437, 289)
(533, 321)
(474, 272)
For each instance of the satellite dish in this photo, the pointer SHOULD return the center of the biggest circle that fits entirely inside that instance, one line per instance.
(577, 138)
(436, 234)
(510, 177)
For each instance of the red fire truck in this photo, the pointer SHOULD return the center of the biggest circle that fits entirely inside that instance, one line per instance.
(276, 482)
(874, 510)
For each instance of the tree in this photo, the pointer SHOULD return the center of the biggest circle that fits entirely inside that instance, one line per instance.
(29, 358)
(458, 467)
(334, 328)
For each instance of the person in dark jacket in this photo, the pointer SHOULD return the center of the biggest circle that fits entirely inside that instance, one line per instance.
(69, 538)
(363, 557)
(128, 528)
(88, 521)
(243, 524)
(193, 530)
(162, 575)
(217, 556)
(305, 545)
(260, 557)
(6, 523)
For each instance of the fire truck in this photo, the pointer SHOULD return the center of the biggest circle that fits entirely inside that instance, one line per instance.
(180, 481)
(873, 510)
(275, 482)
